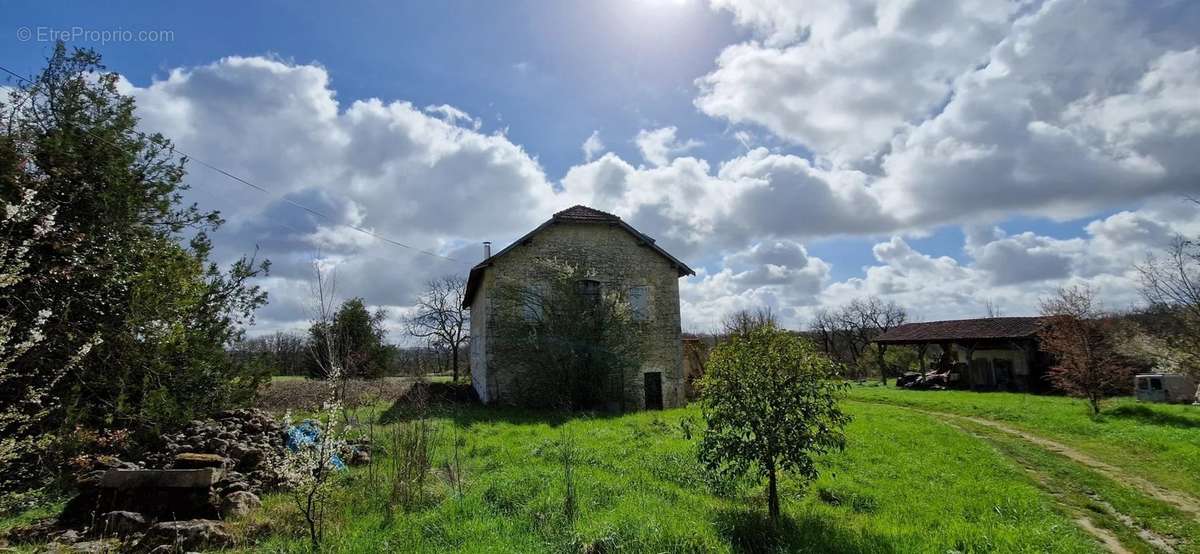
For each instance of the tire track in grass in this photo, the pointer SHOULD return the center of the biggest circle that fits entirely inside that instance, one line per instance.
(1181, 501)
(1076, 504)
(1109, 540)
(1106, 537)
(1078, 513)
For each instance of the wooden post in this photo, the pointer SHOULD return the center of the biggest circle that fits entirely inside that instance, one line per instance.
(970, 347)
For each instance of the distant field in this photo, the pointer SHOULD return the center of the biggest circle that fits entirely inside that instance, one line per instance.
(904, 484)
(285, 378)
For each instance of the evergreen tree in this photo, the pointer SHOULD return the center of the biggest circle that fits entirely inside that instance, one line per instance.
(358, 336)
(126, 266)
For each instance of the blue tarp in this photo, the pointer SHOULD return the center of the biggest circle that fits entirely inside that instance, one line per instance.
(306, 435)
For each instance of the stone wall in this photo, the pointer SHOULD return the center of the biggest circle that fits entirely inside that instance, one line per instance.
(616, 259)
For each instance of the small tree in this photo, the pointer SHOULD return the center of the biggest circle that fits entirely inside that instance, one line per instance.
(28, 399)
(441, 319)
(311, 469)
(1087, 363)
(771, 403)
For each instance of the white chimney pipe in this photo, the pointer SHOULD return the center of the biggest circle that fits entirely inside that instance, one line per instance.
(487, 249)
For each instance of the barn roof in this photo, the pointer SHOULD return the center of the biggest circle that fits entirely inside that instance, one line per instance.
(962, 329)
(574, 214)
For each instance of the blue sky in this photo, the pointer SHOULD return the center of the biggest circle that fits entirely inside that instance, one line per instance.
(801, 155)
(551, 72)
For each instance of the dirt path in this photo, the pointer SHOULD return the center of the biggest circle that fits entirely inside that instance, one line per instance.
(1182, 501)
(1105, 537)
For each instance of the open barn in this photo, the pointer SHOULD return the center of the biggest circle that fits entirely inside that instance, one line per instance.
(996, 353)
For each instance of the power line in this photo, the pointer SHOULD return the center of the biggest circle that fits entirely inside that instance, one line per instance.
(254, 186)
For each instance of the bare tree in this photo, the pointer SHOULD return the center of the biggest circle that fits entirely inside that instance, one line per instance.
(991, 308)
(741, 322)
(441, 319)
(825, 326)
(867, 318)
(1078, 334)
(284, 352)
(324, 311)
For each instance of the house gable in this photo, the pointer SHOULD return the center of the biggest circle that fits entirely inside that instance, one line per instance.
(573, 215)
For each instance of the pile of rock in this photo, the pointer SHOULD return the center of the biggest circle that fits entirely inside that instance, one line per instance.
(172, 500)
(248, 442)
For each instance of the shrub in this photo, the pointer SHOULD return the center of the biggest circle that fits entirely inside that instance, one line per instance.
(771, 404)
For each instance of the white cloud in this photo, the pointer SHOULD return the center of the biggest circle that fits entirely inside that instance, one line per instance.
(1033, 133)
(842, 78)
(453, 115)
(972, 112)
(777, 274)
(659, 145)
(592, 147)
(417, 176)
(1013, 271)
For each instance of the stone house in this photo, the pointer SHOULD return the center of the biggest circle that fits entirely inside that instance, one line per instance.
(617, 257)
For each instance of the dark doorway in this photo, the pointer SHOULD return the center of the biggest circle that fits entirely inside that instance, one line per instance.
(653, 381)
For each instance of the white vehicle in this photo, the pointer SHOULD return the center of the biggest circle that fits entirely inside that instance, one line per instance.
(1165, 387)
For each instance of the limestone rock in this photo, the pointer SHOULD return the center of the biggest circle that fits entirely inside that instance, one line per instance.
(239, 503)
(122, 523)
(190, 460)
(99, 546)
(188, 535)
(359, 457)
(160, 478)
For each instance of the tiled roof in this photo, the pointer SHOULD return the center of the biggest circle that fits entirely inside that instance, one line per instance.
(574, 214)
(584, 213)
(962, 329)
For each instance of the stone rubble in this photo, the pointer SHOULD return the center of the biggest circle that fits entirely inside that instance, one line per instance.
(213, 468)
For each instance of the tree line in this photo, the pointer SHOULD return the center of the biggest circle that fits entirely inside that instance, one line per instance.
(439, 326)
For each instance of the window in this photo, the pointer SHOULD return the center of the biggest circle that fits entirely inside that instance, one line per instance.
(1155, 383)
(531, 305)
(639, 302)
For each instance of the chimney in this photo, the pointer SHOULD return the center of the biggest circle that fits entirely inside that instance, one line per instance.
(487, 249)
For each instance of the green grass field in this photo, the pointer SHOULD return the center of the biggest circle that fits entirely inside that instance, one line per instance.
(1159, 442)
(906, 483)
(912, 479)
